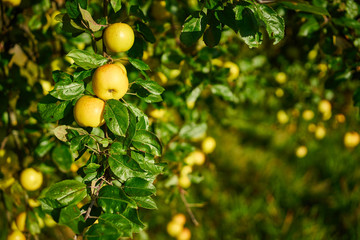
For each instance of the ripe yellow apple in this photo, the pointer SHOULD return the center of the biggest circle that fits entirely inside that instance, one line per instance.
(16, 235)
(234, 71)
(20, 221)
(340, 118)
(351, 139)
(282, 117)
(74, 167)
(281, 77)
(320, 132)
(110, 82)
(119, 37)
(174, 228)
(184, 235)
(190, 104)
(179, 219)
(308, 115)
(158, 113)
(301, 151)
(197, 157)
(13, 3)
(208, 145)
(312, 54)
(324, 106)
(312, 127)
(89, 111)
(33, 203)
(31, 179)
(119, 64)
(184, 181)
(160, 78)
(217, 62)
(186, 170)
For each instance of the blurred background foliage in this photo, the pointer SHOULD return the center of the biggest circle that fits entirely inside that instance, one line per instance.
(256, 184)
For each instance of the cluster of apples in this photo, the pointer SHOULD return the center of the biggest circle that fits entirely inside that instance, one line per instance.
(196, 157)
(176, 228)
(109, 81)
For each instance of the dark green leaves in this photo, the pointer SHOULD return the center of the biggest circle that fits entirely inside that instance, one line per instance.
(62, 156)
(65, 193)
(138, 64)
(145, 31)
(52, 109)
(305, 7)
(67, 91)
(193, 28)
(87, 60)
(151, 86)
(113, 200)
(139, 187)
(71, 217)
(117, 117)
(147, 142)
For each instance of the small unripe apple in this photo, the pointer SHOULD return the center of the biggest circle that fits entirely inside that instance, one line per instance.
(282, 117)
(184, 181)
(184, 235)
(234, 71)
(197, 157)
(308, 115)
(89, 111)
(208, 145)
(179, 218)
(351, 139)
(281, 77)
(320, 132)
(301, 151)
(174, 228)
(119, 37)
(279, 92)
(110, 82)
(20, 221)
(186, 170)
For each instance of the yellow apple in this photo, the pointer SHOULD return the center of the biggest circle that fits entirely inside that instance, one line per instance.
(351, 139)
(179, 219)
(20, 221)
(340, 118)
(208, 145)
(31, 179)
(197, 157)
(234, 71)
(279, 92)
(16, 235)
(281, 77)
(186, 170)
(282, 117)
(160, 78)
(119, 37)
(184, 181)
(320, 132)
(158, 113)
(13, 3)
(184, 235)
(89, 111)
(312, 127)
(217, 62)
(324, 106)
(119, 64)
(33, 203)
(74, 167)
(308, 115)
(301, 151)
(174, 228)
(110, 82)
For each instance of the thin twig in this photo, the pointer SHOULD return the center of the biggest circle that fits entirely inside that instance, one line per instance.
(93, 200)
(188, 209)
(3, 143)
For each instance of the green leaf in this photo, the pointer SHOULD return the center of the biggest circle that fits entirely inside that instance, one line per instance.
(193, 28)
(356, 97)
(148, 164)
(60, 76)
(116, 117)
(80, 74)
(78, 143)
(110, 227)
(63, 158)
(52, 109)
(212, 35)
(309, 27)
(142, 118)
(139, 64)
(114, 200)
(72, 217)
(87, 60)
(227, 17)
(60, 132)
(118, 148)
(67, 192)
(31, 223)
(92, 25)
(44, 146)
(145, 202)
(131, 131)
(139, 187)
(274, 23)
(116, 5)
(69, 25)
(67, 91)
(248, 26)
(133, 216)
(195, 93)
(151, 86)
(223, 91)
(147, 142)
(193, 130)
(305, 7)
(124, 167)
(145, 31)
